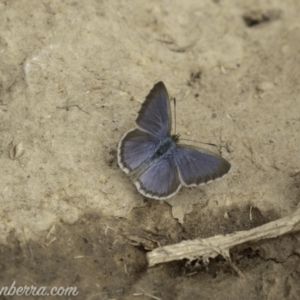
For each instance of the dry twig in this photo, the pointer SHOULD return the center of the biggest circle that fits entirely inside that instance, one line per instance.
(221, 244)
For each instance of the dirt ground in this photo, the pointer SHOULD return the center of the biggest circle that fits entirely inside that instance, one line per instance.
(73, 76)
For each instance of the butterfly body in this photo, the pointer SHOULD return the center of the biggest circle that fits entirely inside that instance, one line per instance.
(154, 160)
(165, 147)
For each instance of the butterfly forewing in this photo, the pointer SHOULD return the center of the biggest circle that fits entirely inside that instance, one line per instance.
(197, 166)
(154, 115)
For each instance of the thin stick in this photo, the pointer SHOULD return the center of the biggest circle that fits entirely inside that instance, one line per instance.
(221, 244)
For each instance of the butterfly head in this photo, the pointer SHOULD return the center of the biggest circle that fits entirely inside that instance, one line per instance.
(175, 137)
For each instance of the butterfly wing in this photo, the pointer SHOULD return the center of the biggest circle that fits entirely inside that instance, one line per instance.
(155, 114)
(198, 166)
(135, 148)
(160, 180)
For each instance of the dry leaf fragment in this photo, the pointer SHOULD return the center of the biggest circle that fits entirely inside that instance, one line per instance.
(138, 241)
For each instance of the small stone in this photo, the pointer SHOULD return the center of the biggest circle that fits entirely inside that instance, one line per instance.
(16, 151)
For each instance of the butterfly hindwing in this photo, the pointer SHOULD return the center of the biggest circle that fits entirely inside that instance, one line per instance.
(154, 115)
(197, 166)
(160, 180)
(134, 148)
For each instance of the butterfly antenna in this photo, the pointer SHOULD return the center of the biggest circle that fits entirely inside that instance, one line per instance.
(174, 99)
(209, 144)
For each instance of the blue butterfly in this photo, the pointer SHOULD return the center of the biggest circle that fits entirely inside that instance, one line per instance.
(154, 160)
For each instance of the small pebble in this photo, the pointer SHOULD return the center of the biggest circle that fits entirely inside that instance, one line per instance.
(16, 151)
(265, 86)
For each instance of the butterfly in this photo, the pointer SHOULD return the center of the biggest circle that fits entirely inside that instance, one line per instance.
(154, 160)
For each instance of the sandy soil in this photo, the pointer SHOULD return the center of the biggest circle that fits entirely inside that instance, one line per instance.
(73, 76)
